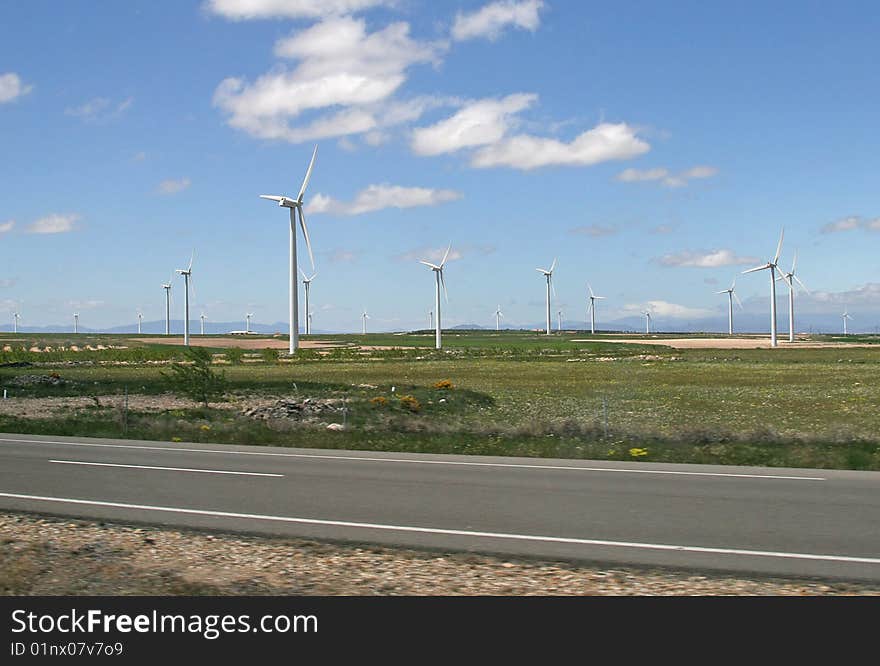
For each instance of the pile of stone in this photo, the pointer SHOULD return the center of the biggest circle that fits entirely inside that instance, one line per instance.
(36, 380)
(304, 409)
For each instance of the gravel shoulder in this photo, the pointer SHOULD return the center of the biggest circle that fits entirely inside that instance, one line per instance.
(44, 555)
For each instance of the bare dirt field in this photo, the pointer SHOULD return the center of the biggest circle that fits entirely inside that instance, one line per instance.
(730, 343)
(240, 342)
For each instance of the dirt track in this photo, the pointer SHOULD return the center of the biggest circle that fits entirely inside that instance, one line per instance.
(729, 343)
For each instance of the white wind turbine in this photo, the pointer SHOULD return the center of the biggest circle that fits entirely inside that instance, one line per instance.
(559, 321)
(364, 318)
(548, 274)
(647, 314)
(592, 309)
(438, 276)
(772, 265)
(140, 320)
(76, 322)
(498, 316)
(730, 296)
(187, 274)
(430, 319)
(202, 318)
(307, 283)
(167, 287)
(15, 317)
(845, 316)
(296, 206)
(247, 322)
(790, 278)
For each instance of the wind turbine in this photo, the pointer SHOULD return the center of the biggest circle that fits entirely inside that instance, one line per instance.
(647, 314)
(247, 322)
(845, 316)
(438, 276)
(307, 283)
(364, 318)
(76, 322)
(187, 274)
(15, 317)
(498, 316)
(548, 273)
(167, 287)
(140, 319)
(430, 319)
(730, 296)
(772, 265)
(790, 278)
(202, 318)
(559, 321)
(296, 206)
(592, 309)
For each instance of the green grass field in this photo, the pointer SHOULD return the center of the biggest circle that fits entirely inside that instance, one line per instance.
(514, 393)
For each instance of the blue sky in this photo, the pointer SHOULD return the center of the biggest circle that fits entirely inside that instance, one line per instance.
(656, 149)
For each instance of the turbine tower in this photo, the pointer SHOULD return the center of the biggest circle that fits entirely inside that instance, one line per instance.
(592, 308)
(296, 206)
(247, 322)
(772, 265)
(364, 318)
(730, 296)
(438, 276)
(647, 314)
(845, 316)
(307, 283)
(15, 317)
(548, 273)
(202, 318)
(167, 288)
(187, 274)
(790, 278)
(140, 319)
(76, 322)
(498, 316)
(559, 321)
(430, 319)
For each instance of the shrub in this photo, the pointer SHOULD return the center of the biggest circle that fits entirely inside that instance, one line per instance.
(379, 401)
(234, 355)
(409, 402)
(196, 380)
(269, 355)
(444, 385)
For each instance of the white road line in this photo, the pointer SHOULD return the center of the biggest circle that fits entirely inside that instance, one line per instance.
(465, 533)
(425, 462)
(168, 469)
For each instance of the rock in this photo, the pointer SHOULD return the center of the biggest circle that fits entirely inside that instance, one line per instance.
(335, 426)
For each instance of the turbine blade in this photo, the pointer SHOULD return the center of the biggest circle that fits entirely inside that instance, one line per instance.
(757, 268)
(794, 263)
(443, 282)
(738, 302)
(445, 255)
(779, 247)
(803, 286)
(272, 197)
(553, 265)
(591, 290)
(426, 263)
(191, 257)
(302, 225)
(553, 288)
(541, 270)
(305, 184)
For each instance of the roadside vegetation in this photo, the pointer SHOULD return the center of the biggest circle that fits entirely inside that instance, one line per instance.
(514, 393)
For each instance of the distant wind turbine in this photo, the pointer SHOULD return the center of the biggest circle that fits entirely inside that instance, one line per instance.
(548, 273)
(845, 316)
(76, 322)
(296, 206)
(307, 283)
(498, 316)
(592, 309)
(140, 319)
(559, 320)
(772, 265)
(730, 296)
(15, 317)
(430, 319)
(647, 314)
(790, 278)
(364, 318)
(167, 287)
(247, 322)
(187, 274)
(438, 276)
(202, 318)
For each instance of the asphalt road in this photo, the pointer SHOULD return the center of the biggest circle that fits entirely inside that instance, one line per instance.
(794, 522)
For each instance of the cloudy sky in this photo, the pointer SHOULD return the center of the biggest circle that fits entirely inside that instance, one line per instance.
(655, 149)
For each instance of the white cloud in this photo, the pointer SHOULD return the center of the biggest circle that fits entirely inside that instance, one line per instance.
(433, 255)
(241, 10)
(711, 259)
(850, 223)
(11, 87)
(341, 69)
(172, 186)
(489, 21)
(594, 230)
(7, 282)
(478, 123)
(85, 305)
(603, 143)
(666, 309)
(665, 176)
(6, 227)
(377, 197)
(99, 108)
(54, 224)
